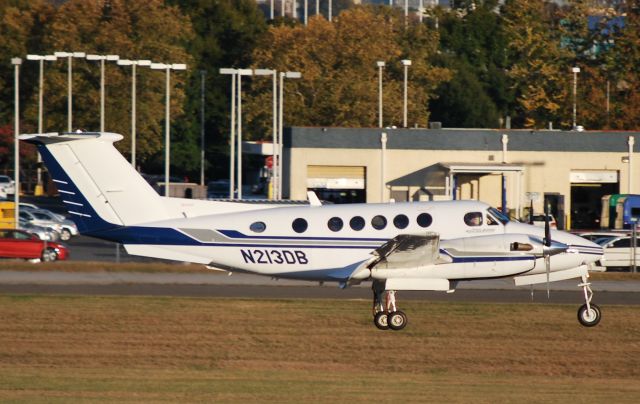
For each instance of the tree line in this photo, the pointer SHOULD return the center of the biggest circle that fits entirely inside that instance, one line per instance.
(477, 64)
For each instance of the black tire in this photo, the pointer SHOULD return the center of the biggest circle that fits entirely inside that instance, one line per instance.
(397, 320)
(48, 255)
(586, 319)
(380, 320)
(65, 235)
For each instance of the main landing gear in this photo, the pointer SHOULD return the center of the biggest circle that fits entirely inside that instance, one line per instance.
(589, 313)
(385, 313)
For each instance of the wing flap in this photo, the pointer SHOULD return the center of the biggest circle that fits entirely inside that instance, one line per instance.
(407, 251)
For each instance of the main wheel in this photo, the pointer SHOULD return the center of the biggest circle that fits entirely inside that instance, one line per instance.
(65, 235)
(380, 320)
(49, 255)
(589, 318)
(397, 320)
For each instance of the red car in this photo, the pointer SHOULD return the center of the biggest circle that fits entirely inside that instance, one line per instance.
(22, 244)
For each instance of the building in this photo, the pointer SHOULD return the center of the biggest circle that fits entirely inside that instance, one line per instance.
(510, 169)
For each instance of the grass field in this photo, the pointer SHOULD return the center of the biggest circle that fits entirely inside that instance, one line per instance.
(143, 349)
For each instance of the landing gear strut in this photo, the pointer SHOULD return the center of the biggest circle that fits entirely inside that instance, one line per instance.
(385, 313)
(589, 313)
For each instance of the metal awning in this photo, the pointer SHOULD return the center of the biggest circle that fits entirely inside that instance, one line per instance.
(480, 168)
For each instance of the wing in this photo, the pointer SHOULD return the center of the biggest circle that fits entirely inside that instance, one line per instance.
(407, 251)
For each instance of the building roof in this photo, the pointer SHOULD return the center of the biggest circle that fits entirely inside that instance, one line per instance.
(457, 139)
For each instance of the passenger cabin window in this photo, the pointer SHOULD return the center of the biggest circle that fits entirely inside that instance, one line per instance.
(335, 224)
(401, 221)
(299, 225)
(473, 219)
(424, 220)
(356, 223)
(258, 227)
(379, 222)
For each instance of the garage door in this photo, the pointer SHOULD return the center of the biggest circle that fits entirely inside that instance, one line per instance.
(336, 177)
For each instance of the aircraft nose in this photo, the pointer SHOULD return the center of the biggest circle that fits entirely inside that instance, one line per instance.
(590, 251)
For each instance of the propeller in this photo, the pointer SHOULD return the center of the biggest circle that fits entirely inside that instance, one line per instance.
(547, 245)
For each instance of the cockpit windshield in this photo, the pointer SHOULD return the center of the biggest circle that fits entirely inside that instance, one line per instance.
(504, 219)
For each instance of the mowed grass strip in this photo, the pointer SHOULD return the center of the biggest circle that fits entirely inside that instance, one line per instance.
(142, 349)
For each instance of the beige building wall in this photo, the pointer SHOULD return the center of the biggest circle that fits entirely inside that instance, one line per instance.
(544, 172)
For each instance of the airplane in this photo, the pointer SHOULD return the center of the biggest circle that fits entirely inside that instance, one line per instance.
(424, 246)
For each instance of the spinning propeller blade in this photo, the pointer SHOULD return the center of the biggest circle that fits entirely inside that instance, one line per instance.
(547, 243)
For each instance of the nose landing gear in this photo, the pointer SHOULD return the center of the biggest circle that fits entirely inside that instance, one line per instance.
(589, 313)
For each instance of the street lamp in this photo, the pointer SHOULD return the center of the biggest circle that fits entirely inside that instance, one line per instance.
(40, 59)
(69, 56)
(102, 58)
(406, 63)
(232, 146)
(289, 75)
(241, 72)
(16, 62)
(274, 74)
(133, 64)
(380, 67)
(575, 71)
(167, 125)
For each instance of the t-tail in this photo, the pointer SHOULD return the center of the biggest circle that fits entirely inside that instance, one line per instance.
(96, 183)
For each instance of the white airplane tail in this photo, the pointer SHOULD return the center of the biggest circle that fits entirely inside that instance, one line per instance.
(96, 183)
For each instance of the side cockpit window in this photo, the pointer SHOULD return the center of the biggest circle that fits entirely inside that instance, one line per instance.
(473, 219)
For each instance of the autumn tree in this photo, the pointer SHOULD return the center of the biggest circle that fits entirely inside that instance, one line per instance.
(339, 85)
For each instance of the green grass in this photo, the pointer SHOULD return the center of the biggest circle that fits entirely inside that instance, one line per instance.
(144, 349)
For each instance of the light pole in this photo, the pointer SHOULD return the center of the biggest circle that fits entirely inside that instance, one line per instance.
(380, 67)
(69, 56)
(203, 74)
(16, 62)
(289, 75)
(406, 63)
(575, 71)
(330, 11)
(274, 74)
(271, 9)
(241, 72)
(40, 59)
(102, 58)
(167, 124)
(232, 145)
(133, 64)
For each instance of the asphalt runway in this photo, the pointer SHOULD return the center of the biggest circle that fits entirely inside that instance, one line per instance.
(219, 285)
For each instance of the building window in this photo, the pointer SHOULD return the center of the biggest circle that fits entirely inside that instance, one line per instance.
(258, 227)
(357, 223)
(424, 220)
(299, 225)
(379, 222)
(401, 221)
(335, 224)
(473, 219)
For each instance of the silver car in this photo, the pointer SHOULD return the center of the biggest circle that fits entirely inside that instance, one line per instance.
(618, 252)
(43, 233)
(68, 228)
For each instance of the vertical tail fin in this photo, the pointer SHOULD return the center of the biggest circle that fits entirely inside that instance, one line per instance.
(100, 189)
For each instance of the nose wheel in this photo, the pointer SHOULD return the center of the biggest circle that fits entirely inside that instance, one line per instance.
(589, 313)
(385, 313)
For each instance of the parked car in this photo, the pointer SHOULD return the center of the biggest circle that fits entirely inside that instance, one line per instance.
(43, 233)
(22, 244)
(538, 220)
(595, 235)
(69, 228)
(7, 186)
(218, 189)
(618, 252)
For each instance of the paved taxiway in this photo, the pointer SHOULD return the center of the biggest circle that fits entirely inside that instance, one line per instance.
(251, 286)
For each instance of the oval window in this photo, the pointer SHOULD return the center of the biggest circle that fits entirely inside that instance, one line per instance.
(473, 219)
(357, 223)
(401, 221)
(299, 225)
(379, 222)
(258, 227)
(335, 224)
(424, 220)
